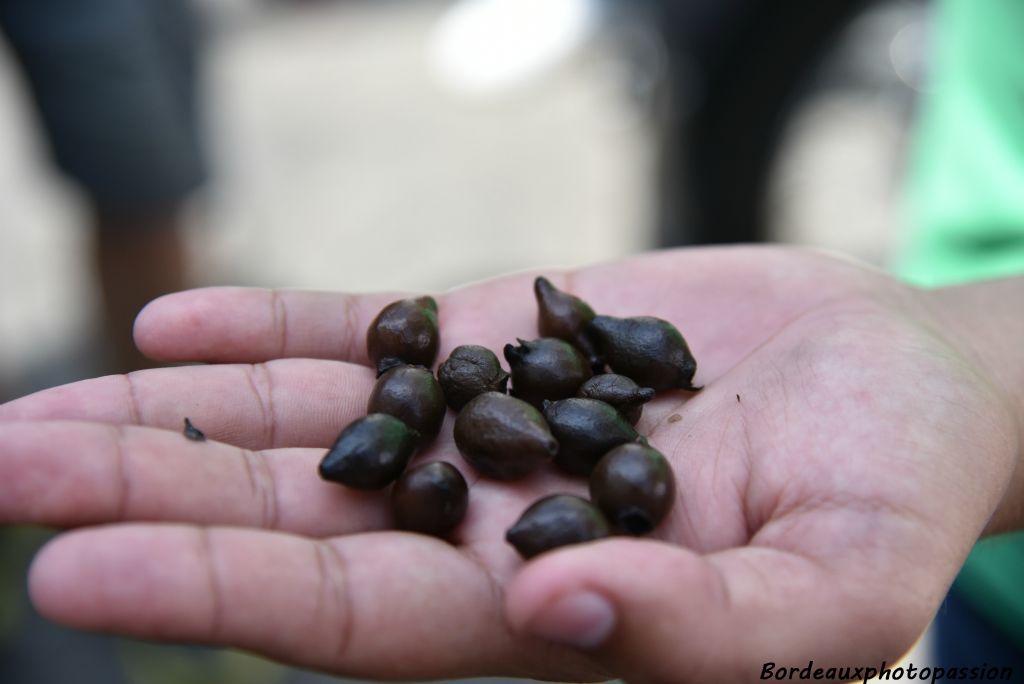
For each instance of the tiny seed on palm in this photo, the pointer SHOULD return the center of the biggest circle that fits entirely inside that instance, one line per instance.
(192, 432)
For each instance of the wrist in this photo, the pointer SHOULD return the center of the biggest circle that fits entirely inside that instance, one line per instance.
(984, 322)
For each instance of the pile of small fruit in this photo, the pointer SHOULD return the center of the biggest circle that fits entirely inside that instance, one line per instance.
(563, 408)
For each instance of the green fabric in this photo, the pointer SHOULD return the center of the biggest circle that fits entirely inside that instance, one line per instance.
(966, 213)
(966, 194)
(991, 582)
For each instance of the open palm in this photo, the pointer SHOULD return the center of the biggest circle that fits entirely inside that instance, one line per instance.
(826, 494)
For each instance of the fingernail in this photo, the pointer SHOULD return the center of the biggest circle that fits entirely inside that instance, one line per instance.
(581, 619)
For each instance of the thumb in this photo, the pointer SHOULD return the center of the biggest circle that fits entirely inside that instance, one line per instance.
(653, 612)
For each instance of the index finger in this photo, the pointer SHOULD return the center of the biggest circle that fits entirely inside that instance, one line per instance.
(249, 325)
(698, 288)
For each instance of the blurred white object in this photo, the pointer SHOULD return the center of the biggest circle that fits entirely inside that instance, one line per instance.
(487, 47)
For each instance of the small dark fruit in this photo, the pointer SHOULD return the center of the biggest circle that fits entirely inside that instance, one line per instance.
(555, 521)
(411, 394)
(649, 350)
(370, 453)
(503, 437)
(404, 332)
(619, 391)
(634, 486)
(469, 371)
(430, 499)
(546, 368)
(586, 429)
(565, 316)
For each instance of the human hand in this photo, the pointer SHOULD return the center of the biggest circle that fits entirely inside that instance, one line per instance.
(846, 452)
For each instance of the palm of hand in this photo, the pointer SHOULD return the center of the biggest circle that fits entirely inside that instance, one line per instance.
(817, 480)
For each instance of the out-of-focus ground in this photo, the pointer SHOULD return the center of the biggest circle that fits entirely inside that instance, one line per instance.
(340, 163)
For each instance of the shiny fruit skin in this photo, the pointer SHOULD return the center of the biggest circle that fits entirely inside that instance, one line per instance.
(431, 498)
(503, 437)
(634, 486)
(370, 453)
(556, 521)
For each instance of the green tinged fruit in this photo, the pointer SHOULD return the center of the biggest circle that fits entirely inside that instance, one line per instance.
(411, 394)
(370, 453)
(404, 331)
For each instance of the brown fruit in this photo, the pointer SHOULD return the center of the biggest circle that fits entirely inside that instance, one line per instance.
(556, 521)
(546, 368)
(634, 486)
(565, 316)
(503, 437)
(586, 429)
(411, 394)
(404, 331)
(649, 350)
(619, 391)
(469, 371)
(430, 499)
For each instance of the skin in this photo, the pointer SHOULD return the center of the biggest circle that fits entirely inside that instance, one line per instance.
(823, 517)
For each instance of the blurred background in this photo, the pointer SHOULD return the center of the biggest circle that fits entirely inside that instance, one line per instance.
(406, 144)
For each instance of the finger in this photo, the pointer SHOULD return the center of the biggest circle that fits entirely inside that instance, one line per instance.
(289, 402)
(658, 613)
(232, 324)
(69, 474)
(229, 325)
(762, 289)
(386, 605)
